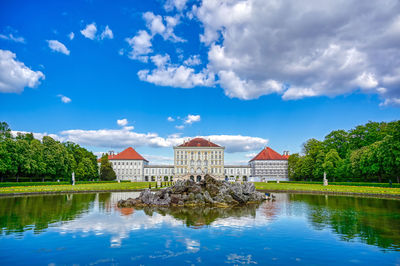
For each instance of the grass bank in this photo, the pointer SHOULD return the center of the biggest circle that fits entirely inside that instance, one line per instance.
(331, 189)
(96, 187)
(270, 187)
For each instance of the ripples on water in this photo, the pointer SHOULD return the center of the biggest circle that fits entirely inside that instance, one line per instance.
(302, 229)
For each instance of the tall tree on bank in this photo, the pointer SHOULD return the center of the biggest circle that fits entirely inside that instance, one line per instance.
(369, 152)
(106, 171)
(25, 158)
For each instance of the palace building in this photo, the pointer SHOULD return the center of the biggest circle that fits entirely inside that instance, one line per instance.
(195, 158)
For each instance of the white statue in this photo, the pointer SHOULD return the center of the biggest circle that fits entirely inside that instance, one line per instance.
(325, 180)
(73, 178)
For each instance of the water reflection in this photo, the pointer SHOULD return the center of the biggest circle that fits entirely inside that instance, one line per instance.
(368, 220)
(374, 221)
(18, 214)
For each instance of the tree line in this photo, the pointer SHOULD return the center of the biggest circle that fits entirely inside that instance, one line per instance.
(369, 152)
(22, 157)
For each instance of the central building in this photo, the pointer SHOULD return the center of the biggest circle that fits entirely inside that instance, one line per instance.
(197, 157)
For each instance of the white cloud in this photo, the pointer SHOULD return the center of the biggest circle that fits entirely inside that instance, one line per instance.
(302, 49)
(121, 138)
(294, 93)
(251, 155)
(235, 87)
(190, 119)
(140, 44)
(178, 4)
(155, 23)
(238, 143)
(193, 60)
(159, 159)
(167, 74)
(125, 137)
(180, 127)
(107, 34)
(11, 37)
(58, 47)
(122, 122)
(90, 31)
(170, 119)
(390, 101)
(64, 99)
(14, 75)
(39, 135)
(71, 36)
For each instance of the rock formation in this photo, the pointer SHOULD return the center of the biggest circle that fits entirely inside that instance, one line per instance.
(206, 192)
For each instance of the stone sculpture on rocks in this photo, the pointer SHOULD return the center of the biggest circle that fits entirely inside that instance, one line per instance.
(206, 192)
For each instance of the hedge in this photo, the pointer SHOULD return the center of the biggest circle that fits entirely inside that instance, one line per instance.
(18, 184)
(358, 184)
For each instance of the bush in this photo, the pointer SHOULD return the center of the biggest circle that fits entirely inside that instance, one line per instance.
(18, 184)
(357, 184)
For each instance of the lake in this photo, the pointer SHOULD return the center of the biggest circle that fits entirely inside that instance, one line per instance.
(299, 229)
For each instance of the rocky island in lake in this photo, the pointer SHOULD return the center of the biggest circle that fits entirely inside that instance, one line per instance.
(206, 192)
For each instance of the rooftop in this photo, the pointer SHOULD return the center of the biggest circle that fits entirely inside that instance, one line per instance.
(127, 154)
(198, 142)
(269, 154)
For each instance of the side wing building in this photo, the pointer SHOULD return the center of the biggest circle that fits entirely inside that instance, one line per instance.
(195, 158)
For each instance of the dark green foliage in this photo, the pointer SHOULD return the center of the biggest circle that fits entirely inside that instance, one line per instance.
(357, 184)
(106, 170)
(370, 152)
(27, 159)
(21, 184)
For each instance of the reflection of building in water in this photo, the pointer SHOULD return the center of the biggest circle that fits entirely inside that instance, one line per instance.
(271, 208)
(125, 211)
(195, 158)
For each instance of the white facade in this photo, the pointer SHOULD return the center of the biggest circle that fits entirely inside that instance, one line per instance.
(235, 173)
(269, 170)
(129, 169)
(158, 173)
(195, 161)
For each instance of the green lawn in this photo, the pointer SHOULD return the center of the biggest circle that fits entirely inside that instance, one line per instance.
(259, 185)
(80, 187)
(330, 188)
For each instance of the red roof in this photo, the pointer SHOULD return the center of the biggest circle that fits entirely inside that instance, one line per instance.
(128, 154)
(199, 142)
(268, 154)
(109, 157)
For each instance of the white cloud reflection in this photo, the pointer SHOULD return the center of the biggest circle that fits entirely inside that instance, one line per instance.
(107, 219)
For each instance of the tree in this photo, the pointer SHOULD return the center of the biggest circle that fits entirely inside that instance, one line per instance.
(307, 167)
(331, 162)
(5, 131)
(106, 170)
(367, 134)
(338, 140)
(312, 147)
(355, 163)
(293, 171)
(318, 171)
(85, 169)
(389, 154)
(8, 164)
(38, 165)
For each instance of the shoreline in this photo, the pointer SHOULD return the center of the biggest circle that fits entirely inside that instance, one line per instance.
(337, 193)
(372, 195)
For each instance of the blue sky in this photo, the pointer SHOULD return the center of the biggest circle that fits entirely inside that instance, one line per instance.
(238, 72)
